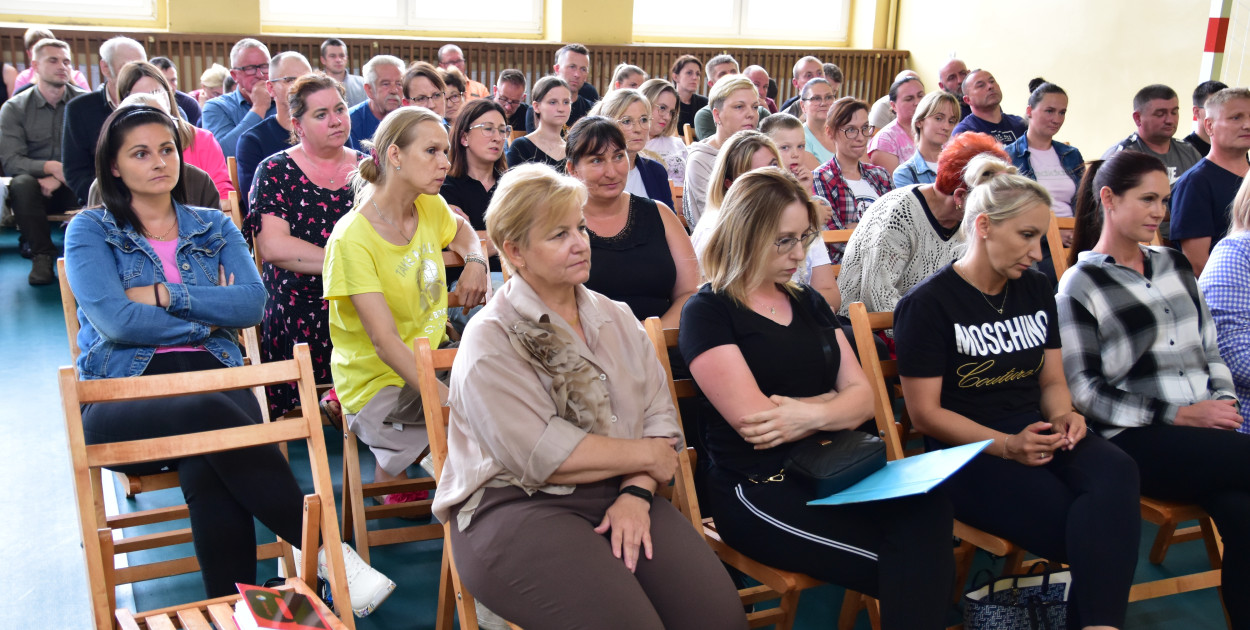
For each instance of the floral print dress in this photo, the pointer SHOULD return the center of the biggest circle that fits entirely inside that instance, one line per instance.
(295, 312)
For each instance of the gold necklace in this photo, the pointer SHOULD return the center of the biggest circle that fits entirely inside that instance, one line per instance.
(378, 211)
(337, 162)
(162, 237)
(1006, 288)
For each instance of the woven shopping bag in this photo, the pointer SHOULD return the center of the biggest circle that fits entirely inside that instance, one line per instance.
(1028, 601)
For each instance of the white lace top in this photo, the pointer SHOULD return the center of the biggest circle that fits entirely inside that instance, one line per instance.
(893, 248)
(671, 152)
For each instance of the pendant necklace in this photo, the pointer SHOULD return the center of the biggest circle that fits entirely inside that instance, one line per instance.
(334, 172)
(1006, 287)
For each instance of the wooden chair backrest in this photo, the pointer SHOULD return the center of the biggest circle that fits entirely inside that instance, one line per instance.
(69, 308)
(233, 165)
(88, 460)
(677, 191)
(232, 208)
(878, 370)
(437, 415)
(836, 237)
(687, 133)
(1054, 240)
(683, 492)
(516, 133)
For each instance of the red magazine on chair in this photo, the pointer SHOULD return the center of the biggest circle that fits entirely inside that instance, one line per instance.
(269, 609)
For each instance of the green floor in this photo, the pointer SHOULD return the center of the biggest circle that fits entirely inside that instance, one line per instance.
(41, 566)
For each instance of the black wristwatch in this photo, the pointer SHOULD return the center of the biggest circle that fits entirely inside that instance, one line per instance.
(640, 492)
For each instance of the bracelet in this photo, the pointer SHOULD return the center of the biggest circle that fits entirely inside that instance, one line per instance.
(640, 492)
(156, 293)
(476, 258)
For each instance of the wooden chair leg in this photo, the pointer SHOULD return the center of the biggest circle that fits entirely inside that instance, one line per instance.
(1013, 562)
(445, 616)
(1163, 540)
(964, 556)
(465, 605)
(310, 541)
(354, 497)
(852, 603)
(789, 609)
(1215, 544)
(873, 605)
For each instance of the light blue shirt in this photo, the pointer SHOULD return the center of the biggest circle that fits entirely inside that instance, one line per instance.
(228, 116)
(815, 147)
(1225, 284)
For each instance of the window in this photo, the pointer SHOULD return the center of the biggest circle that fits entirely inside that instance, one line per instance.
(487, 16)
(811, 20)
(116, 9)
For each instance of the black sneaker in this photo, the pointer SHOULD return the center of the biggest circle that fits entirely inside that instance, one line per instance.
(41, 270)
(23, 247)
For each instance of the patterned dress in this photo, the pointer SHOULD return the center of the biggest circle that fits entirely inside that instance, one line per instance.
(295, 312)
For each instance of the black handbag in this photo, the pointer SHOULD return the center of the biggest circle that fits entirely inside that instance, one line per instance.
(827, 463)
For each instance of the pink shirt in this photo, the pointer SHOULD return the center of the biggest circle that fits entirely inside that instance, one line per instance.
(206, 154)
(895, 140)
(28, 75)
(167, 251)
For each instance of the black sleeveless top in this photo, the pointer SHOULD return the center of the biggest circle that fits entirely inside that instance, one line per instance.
(635, 266)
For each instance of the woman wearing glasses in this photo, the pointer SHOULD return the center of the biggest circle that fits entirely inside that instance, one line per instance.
(777, 370)
(552, 104)
(424, 87)
(632, 111)
(817, 97)
(477, 142)
(297, 197)
(664, 143)
(640, 253)
(453, 96)
(849, 184)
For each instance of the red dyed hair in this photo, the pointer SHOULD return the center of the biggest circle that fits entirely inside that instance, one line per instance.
(956, 155)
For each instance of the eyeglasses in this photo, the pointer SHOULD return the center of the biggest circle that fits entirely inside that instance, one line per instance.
(786, 244)
(454, 97)
(422, 101)
(260, 68)
(503, 100)
(286, 80)
(852, 133)
(828, 98)
(490, 130)
(642, 121)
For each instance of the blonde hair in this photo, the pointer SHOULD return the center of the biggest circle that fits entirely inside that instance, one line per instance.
(996, 191)
(929, 105)
(727, 85)
(624, 70)
(733, 160)
(652, 89)
(1241, 208)
(530, 195)
(214, 76)
(736, 256)
(399, 129)
(614, 104)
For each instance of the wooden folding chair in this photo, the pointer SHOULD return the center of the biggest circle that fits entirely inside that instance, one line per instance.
(356, 515)
(687, 133)
(233, 165)
(775, 583)
(452, 596)
(676, 190)
(836, 237)
(1054, 241)
(516, 133)
(99, 543)
(896, 435)
(230, 205)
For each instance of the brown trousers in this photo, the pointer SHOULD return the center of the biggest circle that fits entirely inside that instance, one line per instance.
(537, 562)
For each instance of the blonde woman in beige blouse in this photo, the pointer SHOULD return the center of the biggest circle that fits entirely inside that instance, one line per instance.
(562, 428)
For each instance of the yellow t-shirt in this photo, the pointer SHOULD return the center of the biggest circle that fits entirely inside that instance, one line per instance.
(412, 279)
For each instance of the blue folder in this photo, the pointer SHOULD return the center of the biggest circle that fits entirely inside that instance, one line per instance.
(907, 476)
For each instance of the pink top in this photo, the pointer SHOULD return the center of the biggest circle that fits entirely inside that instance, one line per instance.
(28, 75)
(895, 140)
(167, 251)
(206, 154)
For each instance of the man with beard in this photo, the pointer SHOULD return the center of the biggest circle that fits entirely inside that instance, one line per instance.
(983, 96)
(384, 93)
(30, 150)
(951, 78)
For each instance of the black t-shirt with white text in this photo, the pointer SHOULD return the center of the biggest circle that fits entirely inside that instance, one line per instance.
(990, 364)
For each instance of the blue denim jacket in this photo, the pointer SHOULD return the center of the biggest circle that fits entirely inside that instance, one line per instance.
(1069, 158)
(118, 337)
(914, 171)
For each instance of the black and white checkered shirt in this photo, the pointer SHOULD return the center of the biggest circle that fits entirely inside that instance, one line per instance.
(1137, 347)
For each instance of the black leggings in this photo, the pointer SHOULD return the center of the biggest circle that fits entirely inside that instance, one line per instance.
(1210, 467)
(898, 551)
(1082, 508)
(223, 490)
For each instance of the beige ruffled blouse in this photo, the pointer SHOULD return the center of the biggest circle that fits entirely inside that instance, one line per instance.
(525, 390)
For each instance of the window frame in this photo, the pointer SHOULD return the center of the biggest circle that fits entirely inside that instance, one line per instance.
(114, 10)
(407, 16)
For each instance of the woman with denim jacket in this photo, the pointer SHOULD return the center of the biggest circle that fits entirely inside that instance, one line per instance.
(1058, 167)
(160, 286)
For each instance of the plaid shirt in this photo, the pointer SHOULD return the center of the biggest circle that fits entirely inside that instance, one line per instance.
(1138, 347)
(1225, 285)
(830, 184)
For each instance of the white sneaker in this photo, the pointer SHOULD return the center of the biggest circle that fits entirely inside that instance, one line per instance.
(366, 586)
